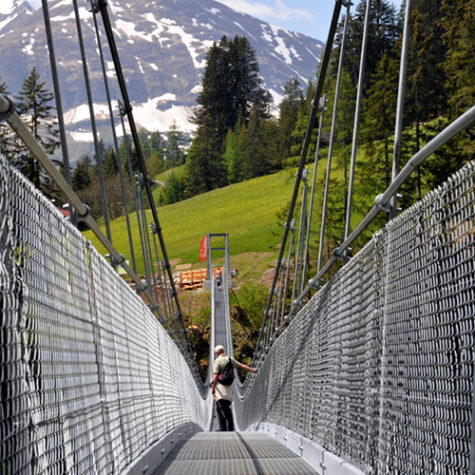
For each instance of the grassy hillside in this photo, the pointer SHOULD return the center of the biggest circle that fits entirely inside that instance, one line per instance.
(247, 211)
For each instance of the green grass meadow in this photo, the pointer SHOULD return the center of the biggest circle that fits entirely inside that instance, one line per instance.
(247, 211)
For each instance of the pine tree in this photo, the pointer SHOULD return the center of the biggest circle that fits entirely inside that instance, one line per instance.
(458, 21)
(383, 33)
(289, 109)
(298, 133)
(174, 153)
(110, 162)
(252, 148)
(81, 176)
(425, 94)
(33, 104)
(231, 88)
(173, 190)
(231, 156)
(155, 164)
(204, 167)
(379, 116)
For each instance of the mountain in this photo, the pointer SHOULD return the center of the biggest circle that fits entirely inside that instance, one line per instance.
(162, 46)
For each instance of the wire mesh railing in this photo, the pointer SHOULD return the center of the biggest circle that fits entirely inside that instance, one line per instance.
(378, 366)
(89, 377)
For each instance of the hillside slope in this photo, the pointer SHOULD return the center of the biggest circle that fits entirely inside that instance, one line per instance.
(247, 211)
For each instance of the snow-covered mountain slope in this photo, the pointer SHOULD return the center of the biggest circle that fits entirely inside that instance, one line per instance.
(162, 46)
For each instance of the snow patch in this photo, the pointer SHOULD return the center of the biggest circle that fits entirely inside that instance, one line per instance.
(115, 7)
(243, 29)
(311, 53)
(129, 29)
(7, 20)
(28, 49)
(81, 113)
(81, 136)
(166, 97)
(153, 66)
(265, 35)
(148, 116)
(276, 96)
(190, 41)
(282, 49)
(197, 89)
(84, 14)
(214, 11)
(294, 52)
(63, 3)
(275, 29)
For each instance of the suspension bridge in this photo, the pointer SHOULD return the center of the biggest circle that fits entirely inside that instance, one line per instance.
(371, 372)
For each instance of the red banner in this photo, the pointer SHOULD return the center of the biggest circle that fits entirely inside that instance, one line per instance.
(204, 248)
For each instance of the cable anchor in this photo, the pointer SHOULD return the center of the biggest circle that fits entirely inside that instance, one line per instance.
(82, 217)
(343, 255)
(4, 115)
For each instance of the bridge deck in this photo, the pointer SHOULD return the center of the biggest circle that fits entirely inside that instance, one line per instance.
(233, 453)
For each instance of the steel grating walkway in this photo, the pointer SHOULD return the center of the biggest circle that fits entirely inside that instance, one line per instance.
(233, 453)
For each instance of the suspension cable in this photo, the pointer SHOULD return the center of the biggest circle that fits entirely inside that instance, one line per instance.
(356, 122)
(332, 141)
(310, 125)
(57, 94)
(314, 179)
(300, 235)
(97, 148)
(114, 137)
(400, 102)
(101, 5)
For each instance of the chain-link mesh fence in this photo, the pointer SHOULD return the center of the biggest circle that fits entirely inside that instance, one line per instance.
(89, 378)
(378, 366)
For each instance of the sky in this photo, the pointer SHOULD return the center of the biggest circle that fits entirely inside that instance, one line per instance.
(310, 17)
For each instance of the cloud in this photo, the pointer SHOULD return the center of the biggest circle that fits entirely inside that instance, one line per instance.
(279, 11)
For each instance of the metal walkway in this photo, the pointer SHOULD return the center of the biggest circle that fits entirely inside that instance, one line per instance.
(233, 453)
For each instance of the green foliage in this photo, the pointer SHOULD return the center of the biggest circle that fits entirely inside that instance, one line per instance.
(458, 21)
(247, 305)
(155, 164)
(110, 162)
(288, 113)
(231, 157)
(204, 167)
(245, 210)
(383, 33)
(34, 105)
(300, 128)
(426, 93)
(173, 190)
(81, 176)
(174, 149)
(231, 89)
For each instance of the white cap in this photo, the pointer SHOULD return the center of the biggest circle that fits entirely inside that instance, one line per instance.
(219, 349)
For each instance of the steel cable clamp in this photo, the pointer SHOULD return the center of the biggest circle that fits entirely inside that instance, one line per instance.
(4, 115)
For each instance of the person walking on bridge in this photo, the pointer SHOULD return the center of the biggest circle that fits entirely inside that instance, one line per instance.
(222, 386)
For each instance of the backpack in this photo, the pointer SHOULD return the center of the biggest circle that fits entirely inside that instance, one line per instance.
(226, 376)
